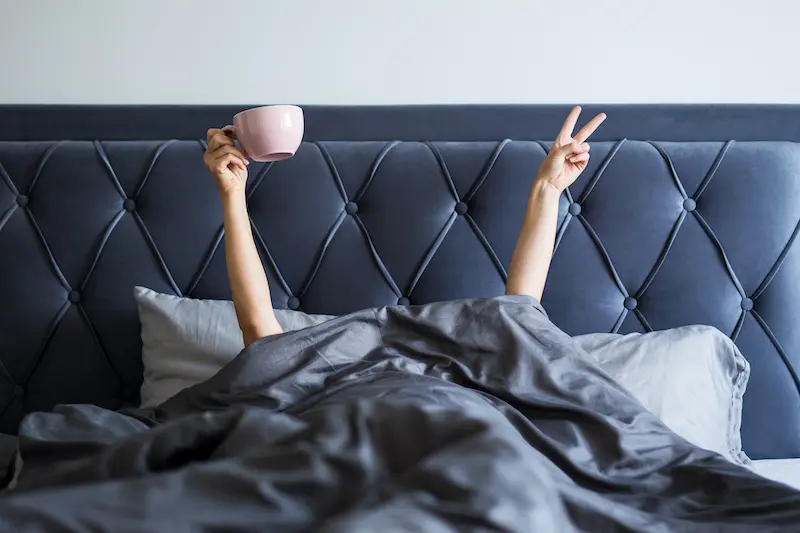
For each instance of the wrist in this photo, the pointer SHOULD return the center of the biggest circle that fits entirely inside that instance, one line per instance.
(544, 191)
(235, 199)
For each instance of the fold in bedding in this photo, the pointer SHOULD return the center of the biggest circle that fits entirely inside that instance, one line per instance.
(476, 415)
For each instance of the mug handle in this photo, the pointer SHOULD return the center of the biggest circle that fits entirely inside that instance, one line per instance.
(232, 130)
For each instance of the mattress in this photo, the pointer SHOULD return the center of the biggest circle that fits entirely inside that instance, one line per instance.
(784, 470)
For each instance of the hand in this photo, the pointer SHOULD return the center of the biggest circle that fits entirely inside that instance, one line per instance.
(227, 164)
(569, 155)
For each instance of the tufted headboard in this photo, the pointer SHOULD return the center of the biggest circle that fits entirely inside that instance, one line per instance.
(686, 214)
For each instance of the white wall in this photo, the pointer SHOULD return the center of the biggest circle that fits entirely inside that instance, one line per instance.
(404, 51)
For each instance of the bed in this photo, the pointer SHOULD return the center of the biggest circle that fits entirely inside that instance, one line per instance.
(686, 215)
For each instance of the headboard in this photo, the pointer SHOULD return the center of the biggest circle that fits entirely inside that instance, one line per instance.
(686, 214)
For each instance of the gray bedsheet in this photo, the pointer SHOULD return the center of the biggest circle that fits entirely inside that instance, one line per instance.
(477, 415)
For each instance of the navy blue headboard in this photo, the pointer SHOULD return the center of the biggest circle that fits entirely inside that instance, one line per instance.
(686, 214)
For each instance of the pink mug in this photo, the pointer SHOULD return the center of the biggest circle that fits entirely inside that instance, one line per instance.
(269, 133)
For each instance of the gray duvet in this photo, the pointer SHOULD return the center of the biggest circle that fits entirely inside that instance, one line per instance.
(477, 415)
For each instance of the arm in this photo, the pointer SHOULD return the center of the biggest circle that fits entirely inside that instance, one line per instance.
(566, 160)
(251, 297)
(531, 260)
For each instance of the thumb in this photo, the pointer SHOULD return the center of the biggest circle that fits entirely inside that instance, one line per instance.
(573, 147)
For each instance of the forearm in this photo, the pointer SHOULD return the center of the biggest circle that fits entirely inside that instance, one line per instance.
(530, 262)
(246, 274)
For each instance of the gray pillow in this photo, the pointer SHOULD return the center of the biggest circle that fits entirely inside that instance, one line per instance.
(693, 378)
(185, 341)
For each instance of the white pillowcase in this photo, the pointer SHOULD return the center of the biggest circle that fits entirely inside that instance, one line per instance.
(185, 341)
(693, 378)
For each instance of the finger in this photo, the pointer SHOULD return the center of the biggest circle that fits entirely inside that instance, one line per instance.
(589, 128)
(569, 123)
(225, 138)
(574, 147)
(227, 160)
(218, 141)
(212, 132)
(236, 160)
(228, 149)
(577, 158)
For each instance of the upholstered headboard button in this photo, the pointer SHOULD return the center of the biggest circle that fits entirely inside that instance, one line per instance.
(74, 297)
(574, 209)
(689, 204)
(461, 208)
(22, 200)
(293, 303)
(129, 204)
(351, 208)
(630, 303)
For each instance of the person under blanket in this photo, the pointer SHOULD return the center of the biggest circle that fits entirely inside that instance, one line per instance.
(467, 416)
(530, 262)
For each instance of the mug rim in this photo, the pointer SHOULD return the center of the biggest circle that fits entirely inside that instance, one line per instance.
(287, 106)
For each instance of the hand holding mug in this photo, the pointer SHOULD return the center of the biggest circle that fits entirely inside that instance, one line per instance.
(227, 164)
(268, 133)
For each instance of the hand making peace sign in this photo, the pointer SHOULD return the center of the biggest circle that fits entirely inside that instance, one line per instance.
(569, 155)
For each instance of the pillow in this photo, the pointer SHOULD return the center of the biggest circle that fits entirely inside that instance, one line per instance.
(185, 341)
(692, 378)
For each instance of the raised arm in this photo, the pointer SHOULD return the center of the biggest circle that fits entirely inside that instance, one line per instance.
(249, 286)
(566, 160)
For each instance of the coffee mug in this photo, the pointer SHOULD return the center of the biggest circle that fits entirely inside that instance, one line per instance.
(269, 133)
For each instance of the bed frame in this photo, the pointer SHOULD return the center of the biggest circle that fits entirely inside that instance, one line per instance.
(686, 214)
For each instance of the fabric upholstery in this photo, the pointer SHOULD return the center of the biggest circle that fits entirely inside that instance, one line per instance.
(694, 122)
(653, 235)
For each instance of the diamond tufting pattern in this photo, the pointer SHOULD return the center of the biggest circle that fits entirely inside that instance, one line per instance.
(653, 235)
